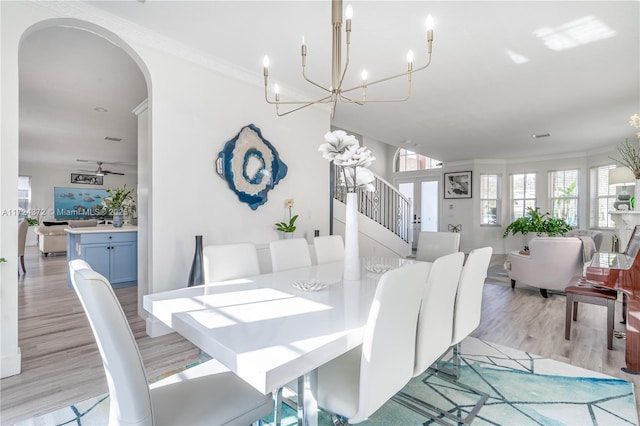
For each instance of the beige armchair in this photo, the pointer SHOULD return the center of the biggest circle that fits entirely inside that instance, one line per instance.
(550, 264)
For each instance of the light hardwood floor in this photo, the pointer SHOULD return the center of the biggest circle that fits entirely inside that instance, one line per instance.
(61, 364)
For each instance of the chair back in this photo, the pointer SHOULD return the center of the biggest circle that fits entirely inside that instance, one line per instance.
(435, 323)
(389, 337)
(130, 399)
(23, 227)
(432, 245)
(229, 261)
(469, 296)
(289, 254)
(329, 248)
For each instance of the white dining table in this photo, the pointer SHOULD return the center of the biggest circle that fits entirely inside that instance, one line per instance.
(270, 333)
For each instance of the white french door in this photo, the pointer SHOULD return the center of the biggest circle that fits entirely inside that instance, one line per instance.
(423, 194)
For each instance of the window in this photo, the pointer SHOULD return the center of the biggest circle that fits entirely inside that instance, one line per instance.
(603, 196)
(24, 195)
(523, 194)
(563, 188)
(490, 200)
(407, 161)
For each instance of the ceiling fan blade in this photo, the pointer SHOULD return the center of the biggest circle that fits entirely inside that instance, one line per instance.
(107, 172)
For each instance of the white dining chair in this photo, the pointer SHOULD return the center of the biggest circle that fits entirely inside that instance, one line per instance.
(432, 245)
(435, 323)
(230, 261)
(289, 254)
(356, 384)
(329, 248)
(466, 318)
(207, 394)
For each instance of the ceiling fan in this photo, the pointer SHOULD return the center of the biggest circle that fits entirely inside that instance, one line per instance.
(100, 171)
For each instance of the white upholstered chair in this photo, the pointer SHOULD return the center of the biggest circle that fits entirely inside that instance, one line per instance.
(230, 261)
(289, 254)
(432, 245)
(550, 264)
(468, 305)
(435, 323)
(207, 394)
(466, 318)
(359, 382)
(329, 248)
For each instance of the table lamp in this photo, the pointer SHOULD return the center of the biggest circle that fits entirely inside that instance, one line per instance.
(622, 176)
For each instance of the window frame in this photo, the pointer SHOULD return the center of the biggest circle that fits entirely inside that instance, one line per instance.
(526, 200)
(553, 197)
(595, 197)
(497, 199)
(428, 162)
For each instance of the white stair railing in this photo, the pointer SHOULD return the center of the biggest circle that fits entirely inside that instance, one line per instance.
(385, 205)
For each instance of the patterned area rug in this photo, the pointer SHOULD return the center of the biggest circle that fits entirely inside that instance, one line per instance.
(523, 389)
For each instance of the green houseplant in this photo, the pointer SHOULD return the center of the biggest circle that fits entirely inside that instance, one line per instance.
(290, 226)
(534, 221)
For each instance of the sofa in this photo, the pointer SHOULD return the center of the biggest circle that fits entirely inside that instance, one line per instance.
(549, 264)
(52, 237)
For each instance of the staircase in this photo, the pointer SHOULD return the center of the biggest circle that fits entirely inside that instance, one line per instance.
(384, 220)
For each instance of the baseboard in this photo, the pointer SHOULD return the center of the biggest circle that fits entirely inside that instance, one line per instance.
(156, 328)
(11, 364)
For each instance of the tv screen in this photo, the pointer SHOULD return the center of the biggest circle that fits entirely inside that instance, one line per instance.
(78, 203)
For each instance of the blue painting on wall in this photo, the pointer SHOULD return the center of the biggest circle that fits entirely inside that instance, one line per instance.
(251, 166)
(78, 203)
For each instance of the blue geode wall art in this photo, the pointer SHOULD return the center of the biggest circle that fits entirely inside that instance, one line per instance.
(251, 166)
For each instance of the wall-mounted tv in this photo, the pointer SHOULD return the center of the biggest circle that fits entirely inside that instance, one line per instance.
(78, 203)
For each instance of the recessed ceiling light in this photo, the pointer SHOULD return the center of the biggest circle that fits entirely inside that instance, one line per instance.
(100, 109)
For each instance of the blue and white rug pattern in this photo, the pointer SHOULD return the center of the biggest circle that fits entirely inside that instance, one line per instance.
(524, 389)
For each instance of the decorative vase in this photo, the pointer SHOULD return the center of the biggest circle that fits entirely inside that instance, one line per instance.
(286, 235)
(196, 276)
(636, 204)
(118, 218)
(351, 243)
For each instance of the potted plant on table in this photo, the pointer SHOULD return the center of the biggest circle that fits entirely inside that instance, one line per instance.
(288, 227)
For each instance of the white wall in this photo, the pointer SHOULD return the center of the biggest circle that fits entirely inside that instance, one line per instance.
(193, 112)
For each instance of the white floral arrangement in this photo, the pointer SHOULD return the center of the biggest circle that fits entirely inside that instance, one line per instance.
(120, 200)
(353, 159)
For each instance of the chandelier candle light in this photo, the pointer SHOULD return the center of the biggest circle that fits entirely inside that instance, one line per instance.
(354, 161)
(335, 92)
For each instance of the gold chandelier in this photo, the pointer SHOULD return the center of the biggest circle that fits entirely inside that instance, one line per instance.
(336, 93)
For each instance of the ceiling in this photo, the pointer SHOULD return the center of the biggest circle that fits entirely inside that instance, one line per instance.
(500, 73)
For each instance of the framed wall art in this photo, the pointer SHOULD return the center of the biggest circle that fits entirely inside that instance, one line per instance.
(457, 185)
(251, 166)
(86, 179)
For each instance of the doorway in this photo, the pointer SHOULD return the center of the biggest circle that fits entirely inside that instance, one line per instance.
(424, 198)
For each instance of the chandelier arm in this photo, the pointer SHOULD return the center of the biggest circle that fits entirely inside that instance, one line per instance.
(346, 65)
(324, 100)
(304, 75)
(382, 80)
(279, 114)
(351, 101)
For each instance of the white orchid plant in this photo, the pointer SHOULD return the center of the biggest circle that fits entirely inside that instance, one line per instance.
(288, 226)
(353, 159)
